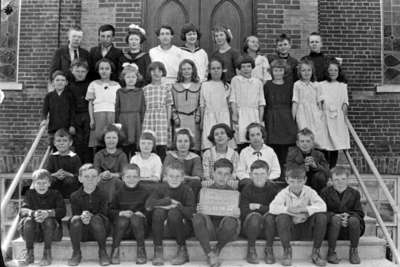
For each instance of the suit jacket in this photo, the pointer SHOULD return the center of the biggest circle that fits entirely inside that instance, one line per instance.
(113, 54)
(62, 61)
(350, 203)
(296, 156)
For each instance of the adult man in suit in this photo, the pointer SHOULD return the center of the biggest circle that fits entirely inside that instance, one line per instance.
(105, 49)
(64, 55)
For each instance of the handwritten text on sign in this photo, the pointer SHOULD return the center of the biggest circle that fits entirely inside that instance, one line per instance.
(218, 202)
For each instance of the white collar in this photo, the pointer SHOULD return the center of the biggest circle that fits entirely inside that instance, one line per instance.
(70, 153)
(189, 156)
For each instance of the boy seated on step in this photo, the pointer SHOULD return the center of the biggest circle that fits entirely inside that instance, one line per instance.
(254, 206)
(300, 215)
(41, 214)
(128, 213)
(89, 220)
(345, 214)
(223, 229)
(172, 205)
(304, 154)
(64, 165)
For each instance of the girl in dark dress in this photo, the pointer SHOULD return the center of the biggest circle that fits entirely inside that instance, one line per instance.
(281, 127)
(135, 37)
(230, 56)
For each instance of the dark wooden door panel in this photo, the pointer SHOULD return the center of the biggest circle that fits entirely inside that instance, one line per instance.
(235, 14)
(171, 12)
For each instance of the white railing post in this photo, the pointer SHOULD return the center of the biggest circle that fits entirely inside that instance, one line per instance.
(373, 168)
(21, 170)
(378, 217)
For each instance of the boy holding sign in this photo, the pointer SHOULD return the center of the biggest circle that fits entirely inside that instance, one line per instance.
(207, 227)
(254, 206)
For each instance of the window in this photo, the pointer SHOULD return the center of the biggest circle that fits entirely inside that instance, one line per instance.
(9, 33)
(391, 46)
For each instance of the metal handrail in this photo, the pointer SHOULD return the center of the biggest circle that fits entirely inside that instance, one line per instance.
(381, 223)
(21, 170)
(373, 168)
(13, 228)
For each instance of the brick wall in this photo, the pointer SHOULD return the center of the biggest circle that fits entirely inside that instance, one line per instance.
(20, 112)
(294, 17)
(116, 12)
(351, 30)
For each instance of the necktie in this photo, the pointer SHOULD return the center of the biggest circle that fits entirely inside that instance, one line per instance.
(76, 54)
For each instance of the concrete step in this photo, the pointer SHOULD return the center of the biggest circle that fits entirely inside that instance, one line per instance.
(230, 263)
(369, 248)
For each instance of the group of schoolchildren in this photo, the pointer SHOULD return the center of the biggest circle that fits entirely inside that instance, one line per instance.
(130, 199)
(133, 185)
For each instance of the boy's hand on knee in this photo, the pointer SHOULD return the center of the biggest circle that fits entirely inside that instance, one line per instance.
(86, 216)
(126, 213)
(345, 219)
(138, 213)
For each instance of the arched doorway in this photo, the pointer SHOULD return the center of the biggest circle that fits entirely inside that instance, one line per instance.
(236, 14)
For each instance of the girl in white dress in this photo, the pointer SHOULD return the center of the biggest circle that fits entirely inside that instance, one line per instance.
(247, 101)
(214, 97)
(306, 108)
(335, 105)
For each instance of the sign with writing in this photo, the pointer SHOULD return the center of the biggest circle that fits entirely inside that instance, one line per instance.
(218, 202)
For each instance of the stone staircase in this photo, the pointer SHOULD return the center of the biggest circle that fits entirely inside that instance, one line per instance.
(372, 252)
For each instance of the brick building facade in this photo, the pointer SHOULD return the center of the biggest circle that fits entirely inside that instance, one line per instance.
(351, 29)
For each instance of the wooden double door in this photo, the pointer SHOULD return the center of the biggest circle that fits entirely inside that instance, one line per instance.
(205, 14)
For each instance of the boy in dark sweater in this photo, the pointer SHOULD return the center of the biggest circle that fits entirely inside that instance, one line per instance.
(64, 165)
(174, 202)
(345, 215)
(254, 206)
(78, 87)
(89, 216)
(319, 59)
(128, 213)
(58, 109)
(304, 154)
(224, 229)
(41, 214)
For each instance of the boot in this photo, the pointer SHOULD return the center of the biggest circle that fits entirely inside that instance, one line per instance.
(115, 259)
(213, 260)
(287, 256)
(104, 260)
(332, 256)
(29, 258)
(269, 255)
(158, 256)
(75, 259)
(46, 260)
(141, 257)
(354, 258)
(252, 255)
(181, 256)
(316, 258)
